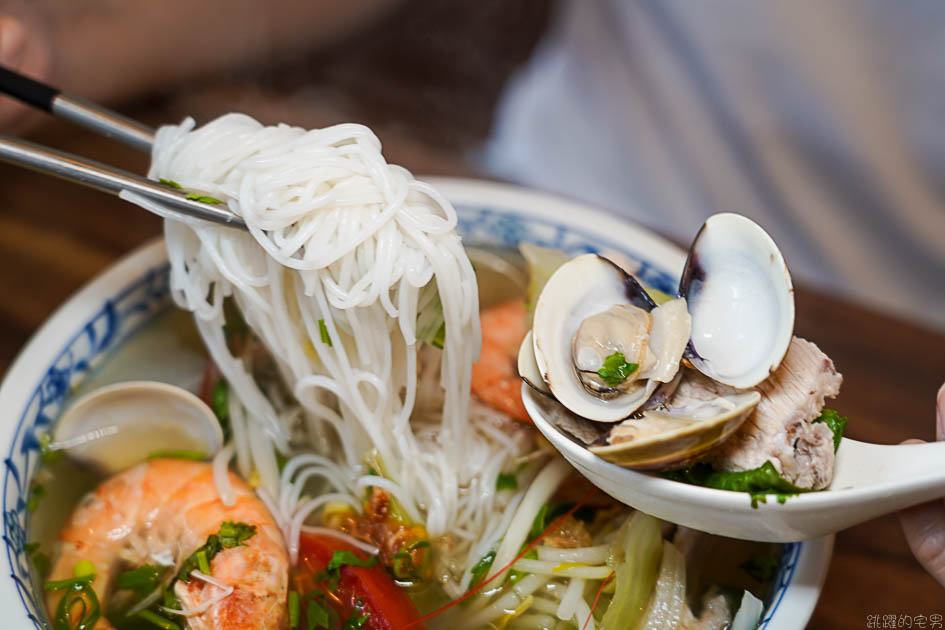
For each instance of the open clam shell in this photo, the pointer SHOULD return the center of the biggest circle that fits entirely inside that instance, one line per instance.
(739, 293)
(581, 291)
(115, 427)
(663, 440)
(698, 416)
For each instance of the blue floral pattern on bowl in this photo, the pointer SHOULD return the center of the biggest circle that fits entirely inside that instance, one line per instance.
(143, 299)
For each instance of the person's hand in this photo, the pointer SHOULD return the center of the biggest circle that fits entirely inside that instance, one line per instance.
(924, 525)
(24, 48)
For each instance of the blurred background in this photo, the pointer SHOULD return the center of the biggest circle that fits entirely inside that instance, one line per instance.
(823, 123)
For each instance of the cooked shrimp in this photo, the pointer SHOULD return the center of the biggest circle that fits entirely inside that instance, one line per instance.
(160, 512)
(495, 379)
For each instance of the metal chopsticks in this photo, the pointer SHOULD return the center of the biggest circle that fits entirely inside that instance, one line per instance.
(88, 172)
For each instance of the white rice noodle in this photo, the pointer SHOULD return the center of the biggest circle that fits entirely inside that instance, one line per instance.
(334, 533)
(340, 242)
(307, 508)
(669, 595)
(244, 459)
(221, 477)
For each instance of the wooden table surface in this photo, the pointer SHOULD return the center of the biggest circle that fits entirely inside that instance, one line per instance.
(55, 236)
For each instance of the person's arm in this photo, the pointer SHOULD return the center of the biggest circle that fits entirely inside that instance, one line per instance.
(113, 50)
(924, 525)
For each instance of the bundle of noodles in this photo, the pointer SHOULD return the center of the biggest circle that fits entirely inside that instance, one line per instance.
(341, 249)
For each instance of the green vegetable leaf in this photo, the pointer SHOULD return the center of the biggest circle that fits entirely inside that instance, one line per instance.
(837, 424)
(323, 332)
(616, 369)
(762, 567)
(757, 482)
(439, 339)
(481, 568)
(40, 560)
(347, 558)
(142, 580)
(203, 198)
(231, 535)
(36, 493)
(235, 534)
(46, 453)
(431, 327)
(506, 481)
(317, 616)
(220, 402)
(342, 558)
(171, 183)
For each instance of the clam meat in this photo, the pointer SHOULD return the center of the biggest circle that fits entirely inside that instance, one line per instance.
(602, 348)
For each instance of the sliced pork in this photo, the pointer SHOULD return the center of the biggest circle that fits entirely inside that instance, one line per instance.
(780, 430)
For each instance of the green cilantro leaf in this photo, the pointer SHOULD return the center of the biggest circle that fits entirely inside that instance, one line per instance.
(323, 331)
(506, 481)
(757, 482)
(616, 369)
(316, 616)
(231, 535)
(235, 534)
(171, 183)
(345, 558)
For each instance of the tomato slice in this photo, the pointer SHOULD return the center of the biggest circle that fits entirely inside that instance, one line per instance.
(360, 589)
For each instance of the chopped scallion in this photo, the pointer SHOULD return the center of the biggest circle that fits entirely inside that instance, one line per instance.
(616, 369)
(203, 198)
(323, 331)
(58, 585)
(83, 568)
(202, 563)
(294, 609)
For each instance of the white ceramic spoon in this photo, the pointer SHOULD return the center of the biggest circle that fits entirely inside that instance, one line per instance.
(869, 480)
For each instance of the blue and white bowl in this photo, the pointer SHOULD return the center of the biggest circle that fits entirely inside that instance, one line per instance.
(80, 337)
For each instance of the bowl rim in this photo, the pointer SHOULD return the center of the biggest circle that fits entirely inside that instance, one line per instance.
(807, 561)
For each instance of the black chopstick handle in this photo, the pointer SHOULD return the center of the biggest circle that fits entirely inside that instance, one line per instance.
(28, 90)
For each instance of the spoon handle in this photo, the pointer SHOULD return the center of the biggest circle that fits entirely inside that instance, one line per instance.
(915, 471)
